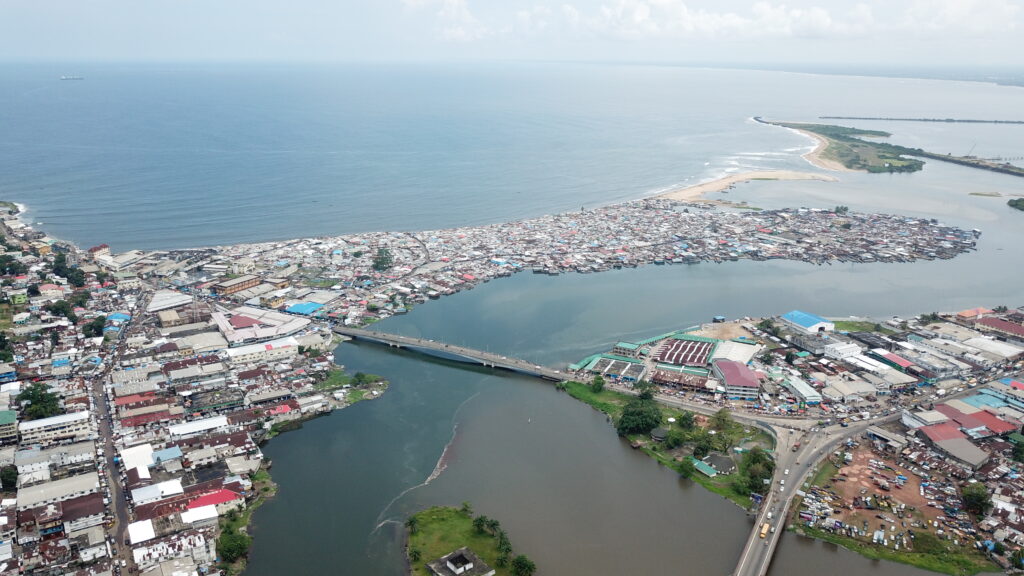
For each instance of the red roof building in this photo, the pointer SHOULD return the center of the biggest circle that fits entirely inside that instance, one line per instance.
(214, 498)
(998, 426)
(1001, 326)
(944, 431)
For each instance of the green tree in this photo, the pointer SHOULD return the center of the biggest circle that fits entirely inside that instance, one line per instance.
(466, 509)
(33, 290)
(687, 468)
(480, 524)
(702, 447)
(41, 402)
(722, 419)
(383, 260)
(493, 525)
(644, 390)
(841, 209)
(413, 524)
(502, 560)
(790, 357)
(95, 327)
(639, 416)
(1018, 452)
(686, 421)
(415, 555)
(976, 498)
(674, 439)
(597, 384)
(1017, 558)
(9, 478)
(523, 566)
(62, 308)
(233, 545)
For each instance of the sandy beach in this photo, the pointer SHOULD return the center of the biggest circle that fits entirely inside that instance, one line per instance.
(815, 156)
(696, 192)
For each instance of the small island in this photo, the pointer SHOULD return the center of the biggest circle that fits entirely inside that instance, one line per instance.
(1017, 203)
(444, 537)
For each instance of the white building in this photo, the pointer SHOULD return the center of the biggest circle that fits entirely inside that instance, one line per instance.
(58, 490)
(73, 426)
(807, 323)
(841, 350)
(282, 349)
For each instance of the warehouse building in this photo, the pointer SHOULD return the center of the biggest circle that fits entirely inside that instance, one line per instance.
(806, 323)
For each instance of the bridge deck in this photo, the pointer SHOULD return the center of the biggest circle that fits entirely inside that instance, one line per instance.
(453, 352)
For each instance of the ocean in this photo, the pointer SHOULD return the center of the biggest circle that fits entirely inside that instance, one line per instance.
(173, 156)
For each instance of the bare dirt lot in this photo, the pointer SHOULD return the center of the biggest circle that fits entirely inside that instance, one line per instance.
(723, 331)
(860, 475)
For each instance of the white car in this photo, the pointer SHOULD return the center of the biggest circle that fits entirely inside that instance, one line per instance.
(786, 473)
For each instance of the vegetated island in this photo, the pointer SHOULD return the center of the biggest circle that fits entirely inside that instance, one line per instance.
(1017, 203)
(450, 534)
(945, 120)
(845, 148)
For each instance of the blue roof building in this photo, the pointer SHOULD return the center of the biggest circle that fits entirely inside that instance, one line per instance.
(304, 308)
(807, 323)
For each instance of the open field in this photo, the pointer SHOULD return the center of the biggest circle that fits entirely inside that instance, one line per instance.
(442, 530)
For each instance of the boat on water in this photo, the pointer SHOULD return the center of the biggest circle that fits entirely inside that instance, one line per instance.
(72, 78)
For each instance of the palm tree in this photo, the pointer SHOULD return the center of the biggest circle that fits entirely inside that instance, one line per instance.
(480, 523)
(413, 524)
(523, 566)
(493, 525)
(414, 555)
(467, 509)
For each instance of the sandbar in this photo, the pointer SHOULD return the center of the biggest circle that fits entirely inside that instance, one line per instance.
(816, 156)
(695, 192)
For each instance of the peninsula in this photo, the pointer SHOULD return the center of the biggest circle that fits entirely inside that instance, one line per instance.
(846, 147)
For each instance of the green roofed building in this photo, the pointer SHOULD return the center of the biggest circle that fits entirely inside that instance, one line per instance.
(626, 349)
(8, 426)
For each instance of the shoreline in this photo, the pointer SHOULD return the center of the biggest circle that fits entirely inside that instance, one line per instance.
(816, 158)
(696, 192)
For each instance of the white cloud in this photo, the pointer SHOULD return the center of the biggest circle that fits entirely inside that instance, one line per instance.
(455, 21)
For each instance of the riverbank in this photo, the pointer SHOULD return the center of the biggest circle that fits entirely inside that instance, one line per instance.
(674, 453)
(698, 191)
(436, 532)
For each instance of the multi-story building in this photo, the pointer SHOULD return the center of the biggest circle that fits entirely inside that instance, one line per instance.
(73, 426)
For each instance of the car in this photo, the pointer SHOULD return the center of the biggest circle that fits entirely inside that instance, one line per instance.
(786, 472)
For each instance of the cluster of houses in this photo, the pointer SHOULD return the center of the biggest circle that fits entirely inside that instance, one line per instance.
(175, 389)
(356, 279)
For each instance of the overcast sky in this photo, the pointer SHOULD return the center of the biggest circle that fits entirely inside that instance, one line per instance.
(886, 32)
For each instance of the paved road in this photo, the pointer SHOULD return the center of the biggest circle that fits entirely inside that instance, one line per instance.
(454, 352)
(118, 498)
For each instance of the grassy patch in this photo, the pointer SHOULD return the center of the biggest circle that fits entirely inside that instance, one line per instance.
(607, 401)
(442, 530)
(826, 471)
(930, 553)
(860, 326)
(6, 315)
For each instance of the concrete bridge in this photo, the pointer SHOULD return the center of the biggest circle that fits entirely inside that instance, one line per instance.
(453, 352)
